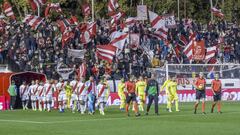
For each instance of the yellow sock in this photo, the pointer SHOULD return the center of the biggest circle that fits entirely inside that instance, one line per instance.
(141, 106)
(122, 105)
(168, 103)
(176, 104)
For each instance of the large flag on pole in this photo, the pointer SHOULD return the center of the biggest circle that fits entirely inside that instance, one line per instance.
(157, 21)
(112, 6)
(210, 52)
(106, 52)
(33, 21)
(159, 24)
(118, 39)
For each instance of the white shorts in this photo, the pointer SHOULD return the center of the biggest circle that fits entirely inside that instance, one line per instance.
(74, 97)
(41, 98)
(34, 98)
(25, 97)
(82, 97)
(49, 98)
(102, 99)
(62, 97)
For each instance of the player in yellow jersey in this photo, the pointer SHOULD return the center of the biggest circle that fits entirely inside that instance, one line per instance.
(140, 89)
(165, 85)
(121, 87)
(172, 96)
(68, 89)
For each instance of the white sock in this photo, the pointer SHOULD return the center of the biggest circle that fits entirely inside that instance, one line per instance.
(32, 105)
(60, 107)
(23, 105)
(64, 105)
(40, 105)
(73, 106)
(48, 106)
(26, 104)
(71, 103)
(44, 105)
(102, 107)
(35, 105)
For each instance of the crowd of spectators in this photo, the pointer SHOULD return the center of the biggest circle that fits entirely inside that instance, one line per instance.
(24, 49)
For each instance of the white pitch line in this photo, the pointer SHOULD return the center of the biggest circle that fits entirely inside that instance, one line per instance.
(109, 119)
(22, 121)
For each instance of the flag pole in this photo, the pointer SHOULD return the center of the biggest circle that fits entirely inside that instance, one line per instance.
(92, 10)
(178, 11)
(38, 7)
(211, 4)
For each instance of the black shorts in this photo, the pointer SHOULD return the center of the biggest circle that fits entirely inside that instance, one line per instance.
(217, 96)
(200, 94)
(131, 97)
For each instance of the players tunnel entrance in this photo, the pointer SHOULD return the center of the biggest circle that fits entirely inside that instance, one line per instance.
(18, 78)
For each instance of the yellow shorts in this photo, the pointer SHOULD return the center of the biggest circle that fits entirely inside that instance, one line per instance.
(172, 97)
(141, 97)
(122, 96)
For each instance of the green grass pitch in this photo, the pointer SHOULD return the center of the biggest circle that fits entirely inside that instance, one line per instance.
(115, 122)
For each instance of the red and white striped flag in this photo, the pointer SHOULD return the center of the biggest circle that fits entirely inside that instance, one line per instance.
(217, 12)
(64, 24)
(85, 37)
(117, 17)
(112, 6)
(183, 40)
(92, 28)
(53, 7)
(66, 37)
(156, 21)
(188, 50)
(88, 33)
(118, 39)
(8, 10)
(210, 52)
(86, 10)
(36, 3)
(106, 52)
(81, 72)
(73, 20)
(33, 21)
(162, 33)
(130, 21)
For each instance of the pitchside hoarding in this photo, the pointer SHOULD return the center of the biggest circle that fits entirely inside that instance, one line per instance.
(2, 103)
(230, 91)
(186, 96)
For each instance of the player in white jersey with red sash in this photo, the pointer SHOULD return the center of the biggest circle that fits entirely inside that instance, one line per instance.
(49, 88)
(74, 97)
(24, 95)
(82, 96)
(102, 94)
(34, 94)
(62, 97)
(41, 98)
